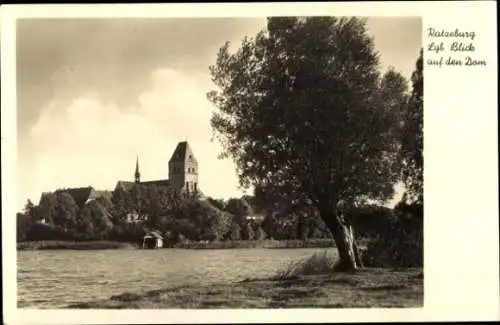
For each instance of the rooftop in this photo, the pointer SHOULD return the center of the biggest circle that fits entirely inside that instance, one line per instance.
(183, 153)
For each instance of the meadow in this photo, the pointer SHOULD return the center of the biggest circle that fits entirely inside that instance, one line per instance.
(309, 283)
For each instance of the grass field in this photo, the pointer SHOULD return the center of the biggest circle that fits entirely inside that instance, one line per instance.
(381, 288)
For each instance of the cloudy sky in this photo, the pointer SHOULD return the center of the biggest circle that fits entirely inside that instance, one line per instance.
(93, 94)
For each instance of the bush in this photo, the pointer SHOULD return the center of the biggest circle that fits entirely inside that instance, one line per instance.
(370, 220)
(401, 242)
(47, 232)
(23, 224)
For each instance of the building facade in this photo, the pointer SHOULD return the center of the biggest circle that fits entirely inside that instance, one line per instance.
(183, 172)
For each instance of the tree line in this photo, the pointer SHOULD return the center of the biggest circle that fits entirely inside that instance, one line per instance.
(186, 218)
(177, 217)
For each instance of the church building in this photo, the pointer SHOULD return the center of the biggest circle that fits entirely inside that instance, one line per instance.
(182, 173)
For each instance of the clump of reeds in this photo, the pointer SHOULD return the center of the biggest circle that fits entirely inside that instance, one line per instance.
(317, 264)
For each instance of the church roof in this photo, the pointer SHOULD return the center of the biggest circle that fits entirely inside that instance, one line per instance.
(161, 182)
(96, 194)
(124, 185)
(154, 234)
(183, 153)
(80, 194)
(128, 186)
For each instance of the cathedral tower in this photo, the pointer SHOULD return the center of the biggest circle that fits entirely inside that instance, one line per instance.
(183, 169)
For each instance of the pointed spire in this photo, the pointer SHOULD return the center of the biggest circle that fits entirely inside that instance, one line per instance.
(137, 173)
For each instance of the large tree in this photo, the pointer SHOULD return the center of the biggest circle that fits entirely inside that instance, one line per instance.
(303, 109)
(94, 221)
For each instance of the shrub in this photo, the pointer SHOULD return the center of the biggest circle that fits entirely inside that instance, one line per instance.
(23, 224)
(370, 220)
(400, 244)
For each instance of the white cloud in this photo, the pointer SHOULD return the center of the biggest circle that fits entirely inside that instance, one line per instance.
(85, 142)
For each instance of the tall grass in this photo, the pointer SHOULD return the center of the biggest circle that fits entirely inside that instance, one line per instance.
(317, 264)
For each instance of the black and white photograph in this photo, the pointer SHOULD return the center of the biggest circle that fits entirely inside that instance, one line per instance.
(271, 162)
(260, 162)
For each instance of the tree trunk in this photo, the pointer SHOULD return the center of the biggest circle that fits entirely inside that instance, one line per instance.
(344, 239)
(357, 255)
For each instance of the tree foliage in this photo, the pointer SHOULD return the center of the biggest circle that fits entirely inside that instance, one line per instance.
(239, 207)
(23, 225)
(399, 241)
(95, 221)
(65, 211)
(185, 219)
(412, 135)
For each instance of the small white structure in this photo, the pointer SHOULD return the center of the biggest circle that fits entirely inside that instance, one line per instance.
(152, 240)
(43, 221)
(255, 218)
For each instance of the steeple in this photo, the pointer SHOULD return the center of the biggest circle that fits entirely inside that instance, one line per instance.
(137, 173)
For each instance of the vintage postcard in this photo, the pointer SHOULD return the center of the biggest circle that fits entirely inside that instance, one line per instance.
(232, 163)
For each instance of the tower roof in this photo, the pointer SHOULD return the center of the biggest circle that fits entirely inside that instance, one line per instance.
(137, 173)
(183, 153)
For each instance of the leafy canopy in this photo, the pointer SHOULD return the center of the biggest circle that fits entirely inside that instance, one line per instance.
(303, 109)
(412, 135)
